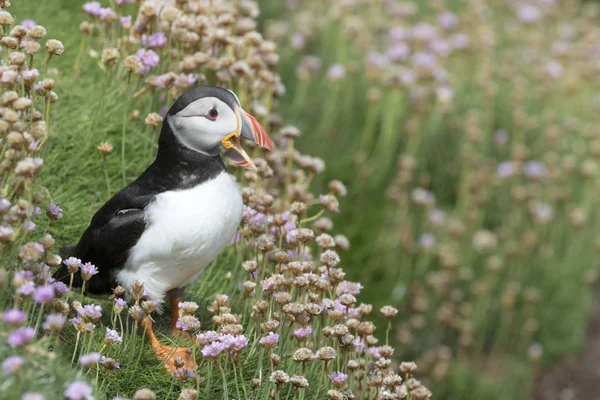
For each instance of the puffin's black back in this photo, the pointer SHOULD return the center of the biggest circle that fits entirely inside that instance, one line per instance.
(118, 225)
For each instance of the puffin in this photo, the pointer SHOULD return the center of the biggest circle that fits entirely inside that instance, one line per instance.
(166, 226)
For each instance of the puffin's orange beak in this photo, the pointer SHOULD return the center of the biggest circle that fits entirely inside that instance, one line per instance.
(248, 128)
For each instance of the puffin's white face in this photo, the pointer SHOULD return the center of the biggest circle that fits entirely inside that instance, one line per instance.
(210, 125)
(204, 124)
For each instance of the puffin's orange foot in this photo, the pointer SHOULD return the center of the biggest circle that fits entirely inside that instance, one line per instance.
(169, 354)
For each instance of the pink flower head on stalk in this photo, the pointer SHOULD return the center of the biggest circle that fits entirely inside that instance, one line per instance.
(121, 2)
(206, 338)
(12, 365)
(374, 352)
(92, 8)
(238, 343)
(501, 137)
(28, 23)
(298, 41)
(88, 270)
(89, 360)
(188, 323)
(44, 294)
(112, 337)
(157, 39)
(535, 169)
(60, 289)
(73, 264)
(348, 287)
(448, 20)
(78, 391)
(506, 169)
(108, 15)
(90, 312)
(149, 59)
(303, 332)
(270, 340)
(427, 240)
(54, 322)
(338, 379)
(336, 72)
(528, 13)
(398, 51)
(21, 336)
(53, 211)
(14, 317)
(125, 21)
(27, 288)
(213, 350)
(116, 365)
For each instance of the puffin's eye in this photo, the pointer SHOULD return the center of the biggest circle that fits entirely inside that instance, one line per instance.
(212, 114)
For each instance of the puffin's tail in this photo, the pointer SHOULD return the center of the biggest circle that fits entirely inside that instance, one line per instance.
(62, 273)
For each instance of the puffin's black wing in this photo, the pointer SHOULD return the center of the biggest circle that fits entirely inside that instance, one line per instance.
(113, 231)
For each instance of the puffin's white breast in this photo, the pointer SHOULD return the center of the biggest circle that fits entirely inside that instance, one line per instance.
(185, 231)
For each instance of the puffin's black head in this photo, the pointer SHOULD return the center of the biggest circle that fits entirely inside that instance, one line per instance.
(209, 120)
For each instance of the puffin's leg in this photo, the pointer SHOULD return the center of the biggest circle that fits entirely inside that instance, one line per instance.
(175, 297)
(167, 354)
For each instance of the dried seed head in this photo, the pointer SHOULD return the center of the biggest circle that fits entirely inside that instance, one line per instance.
(37, 32)
(105, 148)
(325, 353)
(330, 258)
(323, 224)
(290, 132)
(133, 64)
(389, 311)
(408, 367)
(170, 14)
(352, 365)
(144, 394)
(330, 203)
(31, 47)
(55, 47)
(110, 56)
(279, 377)
(347, 299)
(305, 235)
(10, 42)
(282, 298)
(303, 355)
(264, 244)
(255, 383)
(275, 359)
(250, 266)
(6, 18)
(335, 395)
(136, 313)
(153, 119)
(298, 208)
(299, 382)
(16, 58)
(420, 393)
(85, 27)
(366, 328)
(18, 31)
(281, 257)
(261, 307)
(325, 241)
